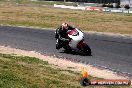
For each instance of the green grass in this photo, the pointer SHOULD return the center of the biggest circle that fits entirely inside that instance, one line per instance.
(31, 72)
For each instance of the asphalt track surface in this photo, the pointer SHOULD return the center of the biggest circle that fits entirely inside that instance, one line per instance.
(114, 53)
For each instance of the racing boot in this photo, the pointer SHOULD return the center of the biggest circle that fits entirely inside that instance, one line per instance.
(58, 45)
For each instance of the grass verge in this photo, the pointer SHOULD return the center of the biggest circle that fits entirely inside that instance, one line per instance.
(49, 17)
(42, 2)
(31, 72)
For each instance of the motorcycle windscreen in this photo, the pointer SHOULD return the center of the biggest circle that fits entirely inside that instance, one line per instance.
(73, 32)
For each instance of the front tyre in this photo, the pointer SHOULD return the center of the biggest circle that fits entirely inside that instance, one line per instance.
(87, 50)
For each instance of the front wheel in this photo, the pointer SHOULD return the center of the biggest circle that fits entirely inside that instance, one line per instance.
(87, 50)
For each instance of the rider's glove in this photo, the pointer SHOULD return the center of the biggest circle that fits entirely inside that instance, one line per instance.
(68, 40)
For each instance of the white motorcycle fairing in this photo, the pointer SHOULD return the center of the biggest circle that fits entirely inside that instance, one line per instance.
(76, 43)
(76, 35)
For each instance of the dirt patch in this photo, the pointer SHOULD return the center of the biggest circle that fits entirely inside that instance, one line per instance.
(63, 64)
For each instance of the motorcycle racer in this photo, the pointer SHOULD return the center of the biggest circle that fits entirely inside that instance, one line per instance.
(61, 33)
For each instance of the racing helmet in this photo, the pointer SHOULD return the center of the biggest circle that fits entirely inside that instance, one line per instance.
(65, 26)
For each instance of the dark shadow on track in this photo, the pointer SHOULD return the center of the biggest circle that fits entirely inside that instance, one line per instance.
(74, 53)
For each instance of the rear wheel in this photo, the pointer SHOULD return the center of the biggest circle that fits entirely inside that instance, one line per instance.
(67, 48)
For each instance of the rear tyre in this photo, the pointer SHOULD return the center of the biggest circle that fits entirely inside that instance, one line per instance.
(67, 48)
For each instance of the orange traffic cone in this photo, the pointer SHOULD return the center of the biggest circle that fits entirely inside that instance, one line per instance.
(84, 74)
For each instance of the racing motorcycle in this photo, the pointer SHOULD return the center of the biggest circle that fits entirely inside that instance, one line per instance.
(76, 43)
